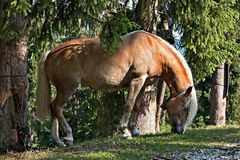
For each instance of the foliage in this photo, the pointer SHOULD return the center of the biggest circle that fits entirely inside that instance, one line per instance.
(53, 20)
(143, 147)
(61, 20)
(210, 29)
(116, 25)
(205, 25)
(110, 112)
(81, 111)
(233, 110)
(8, 11)
(40, 130)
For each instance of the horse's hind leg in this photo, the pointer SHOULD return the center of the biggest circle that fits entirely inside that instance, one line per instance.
(57, 115)
(135, 87)
(55, 125)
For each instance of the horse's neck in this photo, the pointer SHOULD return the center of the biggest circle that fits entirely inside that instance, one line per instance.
(176, 82)
(176, 73)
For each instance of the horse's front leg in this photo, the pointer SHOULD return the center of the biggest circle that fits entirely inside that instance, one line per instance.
(134, 89)
(136, 110)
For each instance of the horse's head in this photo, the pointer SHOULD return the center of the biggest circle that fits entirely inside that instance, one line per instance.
(181, 109)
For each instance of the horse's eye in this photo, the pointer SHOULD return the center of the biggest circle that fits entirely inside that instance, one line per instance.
(185, 108)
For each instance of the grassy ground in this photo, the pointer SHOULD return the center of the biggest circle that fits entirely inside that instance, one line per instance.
(144, 147)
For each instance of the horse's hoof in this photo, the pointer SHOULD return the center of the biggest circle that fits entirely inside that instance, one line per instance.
(127, 134)
(135, 132)
(135, 135)
(68, 141)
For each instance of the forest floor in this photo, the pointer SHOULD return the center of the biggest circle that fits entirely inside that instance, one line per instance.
(208, 143)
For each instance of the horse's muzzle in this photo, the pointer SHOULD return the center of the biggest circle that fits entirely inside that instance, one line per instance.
(179, 129)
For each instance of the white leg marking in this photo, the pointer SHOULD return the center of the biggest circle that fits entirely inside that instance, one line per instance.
(135, 88)
(55, 133)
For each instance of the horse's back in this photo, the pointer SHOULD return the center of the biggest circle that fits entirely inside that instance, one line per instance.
(85, 60)
(72, 43)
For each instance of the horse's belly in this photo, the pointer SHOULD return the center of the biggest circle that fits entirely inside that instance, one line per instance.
(106, 81)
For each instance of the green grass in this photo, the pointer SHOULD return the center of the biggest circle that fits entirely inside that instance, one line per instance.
(144, 147)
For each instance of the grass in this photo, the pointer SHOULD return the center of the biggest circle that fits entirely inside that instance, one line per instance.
(143, 147)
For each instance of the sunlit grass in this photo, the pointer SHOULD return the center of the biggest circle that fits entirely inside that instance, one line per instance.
(143, 147)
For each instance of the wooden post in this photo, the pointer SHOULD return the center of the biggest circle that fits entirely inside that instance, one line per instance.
(218, 95)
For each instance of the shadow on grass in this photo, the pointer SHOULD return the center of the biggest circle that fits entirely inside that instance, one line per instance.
(144, 147)
(148, 146)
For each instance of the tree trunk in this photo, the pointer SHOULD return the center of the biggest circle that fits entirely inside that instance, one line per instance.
(14, 130)
(146, 16)
(146, 119)
(218, 96)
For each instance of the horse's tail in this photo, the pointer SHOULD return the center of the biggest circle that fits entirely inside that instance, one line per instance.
(43, 95)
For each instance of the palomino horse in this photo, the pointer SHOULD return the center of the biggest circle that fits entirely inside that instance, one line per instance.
(140, 60)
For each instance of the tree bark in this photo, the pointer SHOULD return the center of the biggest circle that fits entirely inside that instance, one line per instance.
(146, 119)
(146, 16)
(218, 96)
(14, 130)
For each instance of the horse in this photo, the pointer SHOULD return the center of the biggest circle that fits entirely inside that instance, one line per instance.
(140, 60)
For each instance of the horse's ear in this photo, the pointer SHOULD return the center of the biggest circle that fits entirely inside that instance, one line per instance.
(163, 105)
(189, 90)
